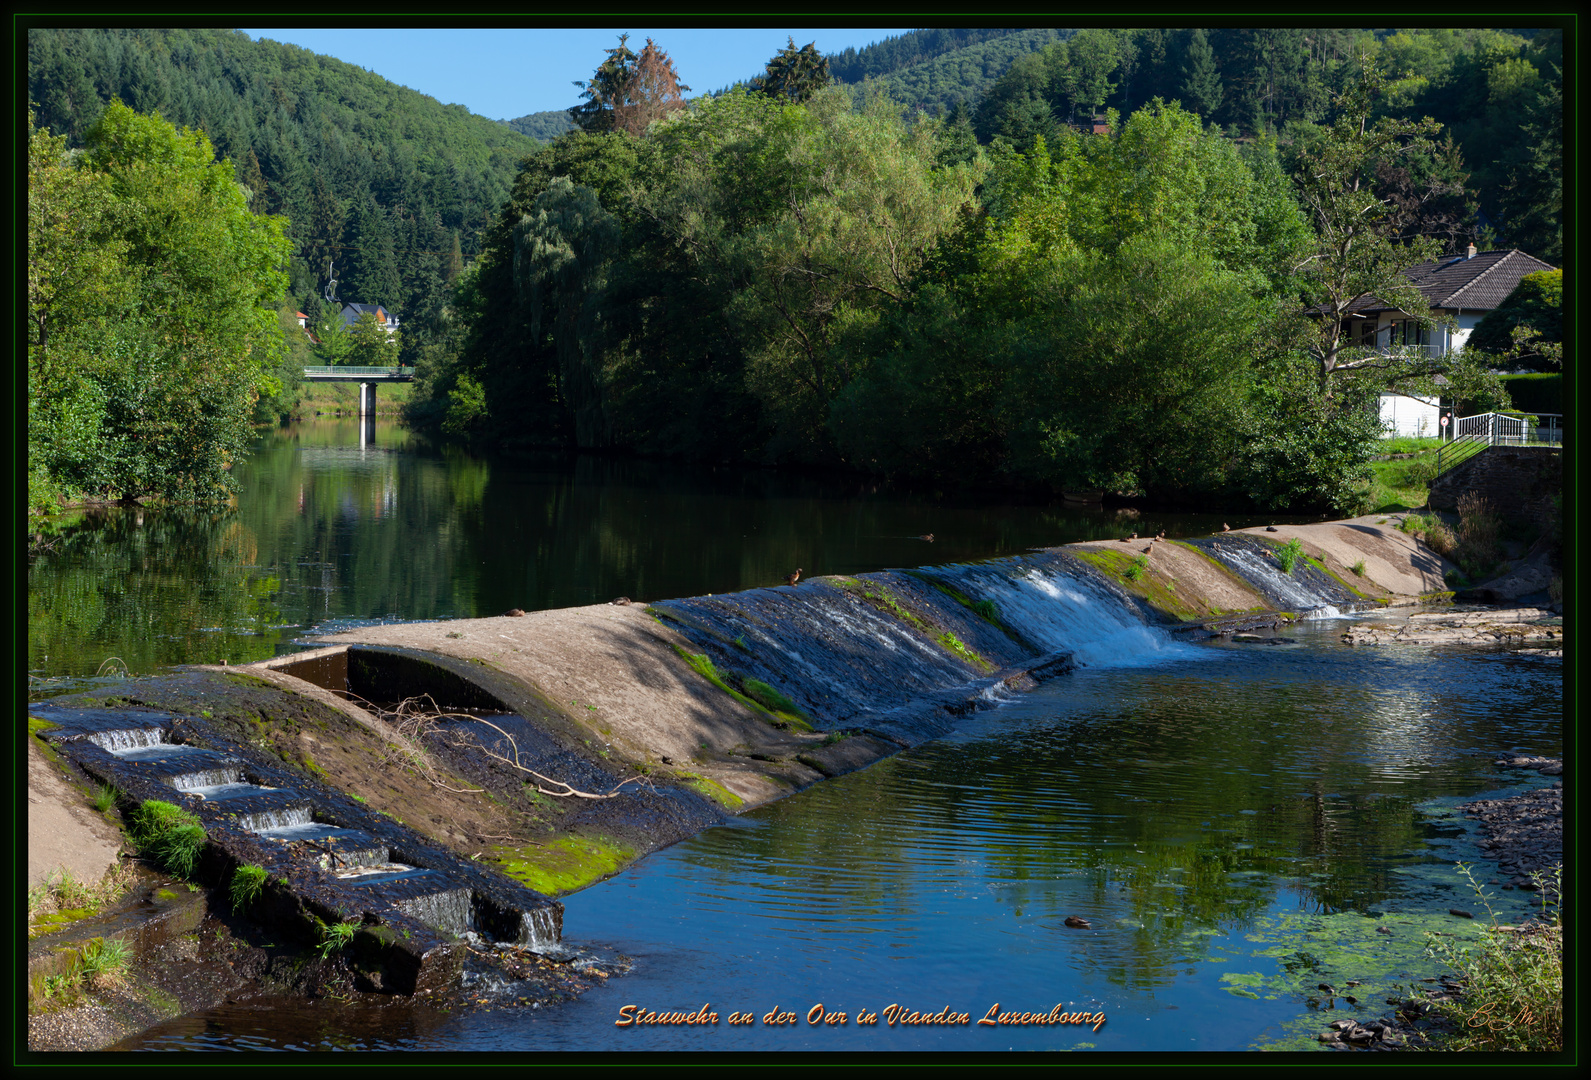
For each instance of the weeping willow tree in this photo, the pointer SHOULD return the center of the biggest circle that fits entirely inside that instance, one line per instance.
(562, 249)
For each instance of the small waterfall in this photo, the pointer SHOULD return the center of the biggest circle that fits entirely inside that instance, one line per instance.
(539, 926)
(262, 820)
(1286, 591)
(451, 911)
(334, 847)
(221, 782)
(118, 742)
(166, 752)
(1059, 606)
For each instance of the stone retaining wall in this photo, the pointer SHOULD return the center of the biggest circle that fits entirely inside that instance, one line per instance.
(1519, 481)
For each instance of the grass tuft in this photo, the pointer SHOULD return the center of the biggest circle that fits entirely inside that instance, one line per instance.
(1288, 554)
(248, 882)
(105, 797)
(169, 835)
(1513, 982)
(334, 937)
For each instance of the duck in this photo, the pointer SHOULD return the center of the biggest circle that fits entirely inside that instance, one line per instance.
(1272, 528)
(793, 578)
(1225, 527)
(1077, 924)
(621, 601)
(927, 536)
(513, 613)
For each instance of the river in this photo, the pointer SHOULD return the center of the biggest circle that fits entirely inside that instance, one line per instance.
(1237, 824)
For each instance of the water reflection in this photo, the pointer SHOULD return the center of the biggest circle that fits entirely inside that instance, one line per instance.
(339, 521)
(1236, 830)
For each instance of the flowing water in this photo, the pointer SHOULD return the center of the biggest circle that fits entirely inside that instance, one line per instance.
(1237, 824)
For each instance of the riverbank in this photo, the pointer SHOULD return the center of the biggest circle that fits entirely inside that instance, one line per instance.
(619, 695)
(1522, 836)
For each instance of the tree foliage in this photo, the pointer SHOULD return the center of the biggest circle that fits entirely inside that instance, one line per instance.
(794, 74)
(1356, 250)
(1535, 304)
(629, 91)
(150, 346)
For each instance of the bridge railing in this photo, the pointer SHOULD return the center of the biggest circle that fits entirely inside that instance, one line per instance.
(399, 371)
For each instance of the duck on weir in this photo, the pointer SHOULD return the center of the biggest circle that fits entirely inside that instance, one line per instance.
(793, 578)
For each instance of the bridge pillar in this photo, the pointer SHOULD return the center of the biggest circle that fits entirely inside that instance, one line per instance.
(367, 399)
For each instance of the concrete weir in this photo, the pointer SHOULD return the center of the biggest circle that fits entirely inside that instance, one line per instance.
(436, 783)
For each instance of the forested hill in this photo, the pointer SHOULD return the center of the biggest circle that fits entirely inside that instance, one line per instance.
(543, 125)
(382, 179)
(934, 70)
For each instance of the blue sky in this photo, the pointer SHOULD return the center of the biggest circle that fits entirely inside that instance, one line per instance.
(507, 73)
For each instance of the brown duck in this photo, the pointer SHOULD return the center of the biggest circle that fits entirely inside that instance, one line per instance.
(1077, 924)
(513, 613)
(793, 578)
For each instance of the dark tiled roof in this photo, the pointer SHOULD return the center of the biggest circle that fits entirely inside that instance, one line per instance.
(1477, 284)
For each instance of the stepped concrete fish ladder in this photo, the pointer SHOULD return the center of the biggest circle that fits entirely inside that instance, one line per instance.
(327, 858)
(740, 698)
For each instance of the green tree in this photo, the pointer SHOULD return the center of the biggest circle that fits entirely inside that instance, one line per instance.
(1201, 80)
(336, 343)
(1535, 303)
(1355, 254)
(371, 345)
(561, 251)
(159, 397)
(794, 74)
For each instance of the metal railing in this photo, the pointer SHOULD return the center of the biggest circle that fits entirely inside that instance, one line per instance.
(399, 372)
(1472, 434)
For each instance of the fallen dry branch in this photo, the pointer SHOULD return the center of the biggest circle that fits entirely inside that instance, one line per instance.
(416, 718)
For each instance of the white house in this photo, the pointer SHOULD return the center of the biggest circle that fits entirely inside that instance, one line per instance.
(351, 313)
(1466, 287)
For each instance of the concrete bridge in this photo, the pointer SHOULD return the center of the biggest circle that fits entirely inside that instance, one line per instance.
(368, 379)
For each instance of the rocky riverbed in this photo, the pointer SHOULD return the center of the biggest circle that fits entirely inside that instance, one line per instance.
(1524, 834)
(1539, 627)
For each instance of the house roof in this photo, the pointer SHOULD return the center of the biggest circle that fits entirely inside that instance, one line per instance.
(1479, 283)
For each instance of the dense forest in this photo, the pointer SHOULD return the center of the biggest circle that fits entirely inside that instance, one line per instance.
(946, 270)
(387, 187)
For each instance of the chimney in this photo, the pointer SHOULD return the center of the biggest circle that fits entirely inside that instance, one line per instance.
(1470, 254)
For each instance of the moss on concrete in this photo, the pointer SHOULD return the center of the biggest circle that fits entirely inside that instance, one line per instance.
(1149, 584)
(713, 790)
(563, 865)
(790, 717)
(881, 597)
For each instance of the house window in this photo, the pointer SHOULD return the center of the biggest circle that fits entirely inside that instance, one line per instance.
(1367, 333)
(1410, 332)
